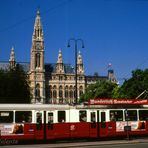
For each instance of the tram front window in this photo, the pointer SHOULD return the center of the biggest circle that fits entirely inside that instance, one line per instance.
(6, 116)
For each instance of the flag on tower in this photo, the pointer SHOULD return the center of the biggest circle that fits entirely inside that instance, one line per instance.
(109, 65)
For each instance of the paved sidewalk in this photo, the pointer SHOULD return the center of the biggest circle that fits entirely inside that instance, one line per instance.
(79, 144)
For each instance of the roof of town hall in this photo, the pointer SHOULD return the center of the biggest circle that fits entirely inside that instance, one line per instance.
(49, 67)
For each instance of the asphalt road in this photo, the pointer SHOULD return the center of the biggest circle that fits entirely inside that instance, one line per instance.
(137, 143)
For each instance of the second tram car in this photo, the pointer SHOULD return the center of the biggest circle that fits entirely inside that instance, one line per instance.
(51, 122)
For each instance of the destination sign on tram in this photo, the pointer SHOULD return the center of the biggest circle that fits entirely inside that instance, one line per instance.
(104, 101)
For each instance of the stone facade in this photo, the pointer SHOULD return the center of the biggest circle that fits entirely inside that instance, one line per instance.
(61, 82)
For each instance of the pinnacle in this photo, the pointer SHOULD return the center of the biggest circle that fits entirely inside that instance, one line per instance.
(38, 12)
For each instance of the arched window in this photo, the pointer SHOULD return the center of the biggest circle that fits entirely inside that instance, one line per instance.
(74, 91)
(37, 92)
(60, 92)
(80, 90)
(50, 94)
(71, 92)
(54, 87)
(38, 32)
(54, 94)
(50, 91)
(37, 60)
(54, 91)
(66, 92)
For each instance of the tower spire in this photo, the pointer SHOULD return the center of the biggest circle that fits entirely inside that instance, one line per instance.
(12, 59)
(80, 67)
(60, 59)
(37, 70)
(38, 31)
(60, 65)
(38, 12)
(79, 60)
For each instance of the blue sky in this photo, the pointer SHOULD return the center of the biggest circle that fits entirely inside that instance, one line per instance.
(113, 31)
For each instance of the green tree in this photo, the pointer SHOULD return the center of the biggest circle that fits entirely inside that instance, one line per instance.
(135, 85)
(101, 89)
(3, 85)
(14, 86)
(116, 92)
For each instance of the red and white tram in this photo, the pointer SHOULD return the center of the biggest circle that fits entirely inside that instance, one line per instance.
(99, 118)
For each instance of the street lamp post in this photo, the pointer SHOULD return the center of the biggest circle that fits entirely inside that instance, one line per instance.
(82, 46)
(34, 90)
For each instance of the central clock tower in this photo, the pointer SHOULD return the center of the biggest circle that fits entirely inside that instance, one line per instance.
(37, 70)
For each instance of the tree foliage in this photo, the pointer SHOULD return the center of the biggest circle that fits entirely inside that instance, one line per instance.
(131, 88)
(135, 85)
(14, 86)
(101, 89)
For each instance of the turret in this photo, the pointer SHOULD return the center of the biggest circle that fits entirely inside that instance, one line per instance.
(80, 66)
(12, 59)
(111, 76)
(60, 65)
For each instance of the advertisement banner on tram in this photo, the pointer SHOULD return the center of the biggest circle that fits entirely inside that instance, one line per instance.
(11, 129)
(135, 125)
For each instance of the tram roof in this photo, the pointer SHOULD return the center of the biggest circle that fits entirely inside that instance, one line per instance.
(35, 107)
(63, 106)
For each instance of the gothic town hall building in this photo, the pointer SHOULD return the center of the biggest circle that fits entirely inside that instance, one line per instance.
(53, 83)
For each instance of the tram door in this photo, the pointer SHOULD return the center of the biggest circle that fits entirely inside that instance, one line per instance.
(93, 124)
(39, 120)
(49, 125)
(103, 126)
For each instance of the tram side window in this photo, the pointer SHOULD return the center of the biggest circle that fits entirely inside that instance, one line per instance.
(50, 120)
(50, 117)
(39, 118)
(103, 119)
(143, 115)
(39, 121)
(116, 115)
(131, 115)
(23, 116)
(6, 116)
(82, 116)
(61, 116)
(93, 119)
